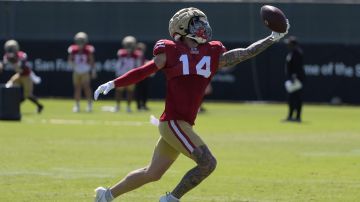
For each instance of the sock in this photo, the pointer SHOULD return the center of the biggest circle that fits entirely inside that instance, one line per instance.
(34, 100)
(89, 104)
(108, 196)
(173, 198)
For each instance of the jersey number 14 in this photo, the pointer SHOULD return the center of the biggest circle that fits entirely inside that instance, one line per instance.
(202, 67)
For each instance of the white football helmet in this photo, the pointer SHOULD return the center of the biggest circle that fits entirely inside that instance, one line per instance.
(81, 38)
(129, 42)
(11, 46)
(192, 23)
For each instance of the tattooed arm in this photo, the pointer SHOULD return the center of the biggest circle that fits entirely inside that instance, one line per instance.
(236, 56)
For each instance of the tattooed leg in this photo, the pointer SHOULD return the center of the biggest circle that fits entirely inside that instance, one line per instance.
(206, 164)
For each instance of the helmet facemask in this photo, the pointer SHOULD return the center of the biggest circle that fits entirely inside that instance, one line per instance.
(81, 39)
(81, 42)
(11, 49)
(199, 29)
(129, 43)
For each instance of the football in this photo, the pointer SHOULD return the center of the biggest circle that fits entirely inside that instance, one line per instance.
(273, 18)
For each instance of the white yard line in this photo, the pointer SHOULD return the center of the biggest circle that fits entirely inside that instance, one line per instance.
(355, 152)
(60, 173)
(55, 121)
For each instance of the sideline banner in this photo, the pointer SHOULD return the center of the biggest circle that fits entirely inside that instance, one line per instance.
(331, 70)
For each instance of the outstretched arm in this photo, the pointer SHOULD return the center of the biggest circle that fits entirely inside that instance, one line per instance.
(133, 76)
(238, 55)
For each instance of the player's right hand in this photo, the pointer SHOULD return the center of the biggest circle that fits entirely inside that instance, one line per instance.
(276, 36)
(104, 89)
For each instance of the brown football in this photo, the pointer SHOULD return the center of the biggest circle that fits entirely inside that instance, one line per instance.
(273, 18)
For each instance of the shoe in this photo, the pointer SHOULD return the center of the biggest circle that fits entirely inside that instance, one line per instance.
(128, 110)
(100, 194)
(89, 108)
(288, 120)
(116, 108)
(76, 109)
(202, 110)
(40, 108)
(168, 198)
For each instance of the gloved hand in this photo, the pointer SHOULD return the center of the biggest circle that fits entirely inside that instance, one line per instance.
(104, 89)
(276, 36)
(9, 84)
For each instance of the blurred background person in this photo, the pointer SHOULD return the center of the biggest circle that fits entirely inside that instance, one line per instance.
(81, 59)
(295, 76)
(128, 58)
(142, 88)
(24, 76)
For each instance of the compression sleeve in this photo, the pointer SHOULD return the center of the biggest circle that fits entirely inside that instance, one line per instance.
(136, 75)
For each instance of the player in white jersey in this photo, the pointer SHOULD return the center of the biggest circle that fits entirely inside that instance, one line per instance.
(128, 59)
(81, 58)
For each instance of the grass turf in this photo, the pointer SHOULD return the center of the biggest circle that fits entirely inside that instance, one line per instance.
(62, 156)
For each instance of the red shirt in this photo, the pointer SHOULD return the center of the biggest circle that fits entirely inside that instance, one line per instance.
(75, 49)
(81, 57)
(188, 72)
(128, 61)
(18, 62)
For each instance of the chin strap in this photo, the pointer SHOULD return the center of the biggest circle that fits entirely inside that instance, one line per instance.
(197, 39)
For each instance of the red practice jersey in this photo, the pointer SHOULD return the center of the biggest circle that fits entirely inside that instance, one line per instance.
(188, 71)
(18, 62)
(128, 61)
(81, 57)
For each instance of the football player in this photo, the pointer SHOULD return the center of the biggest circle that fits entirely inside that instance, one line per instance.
(81, 59)
(142, 87)
(128, 58)
(24, 76)
(189, 62)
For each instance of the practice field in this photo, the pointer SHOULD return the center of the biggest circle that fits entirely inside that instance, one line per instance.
(62, 156)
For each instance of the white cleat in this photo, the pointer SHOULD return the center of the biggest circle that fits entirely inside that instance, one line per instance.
(89, 109)
(116, 109)
(168, 198)
(100, 194)
(76, 109)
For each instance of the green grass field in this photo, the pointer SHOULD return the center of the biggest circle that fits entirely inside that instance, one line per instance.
(62, 156)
